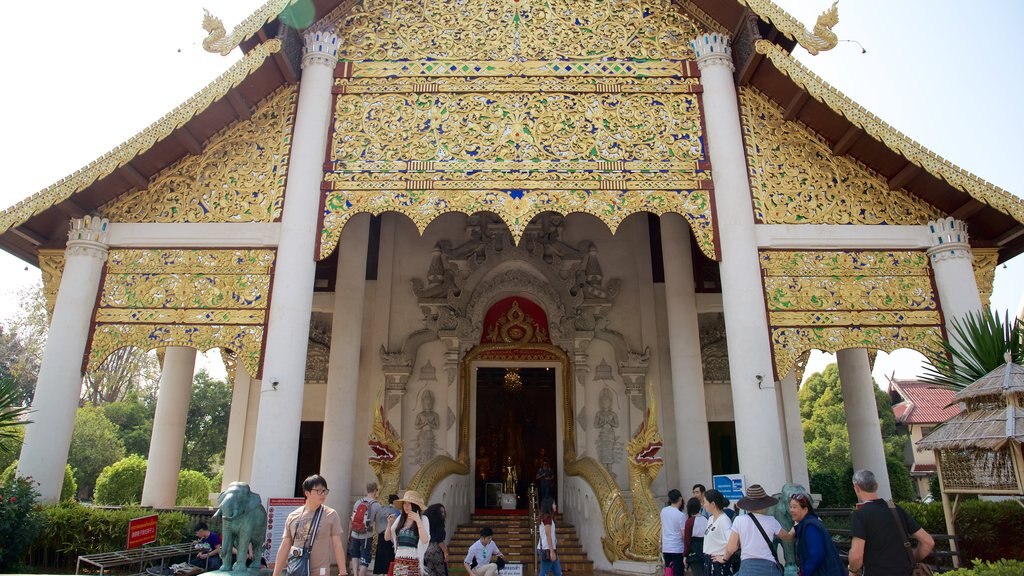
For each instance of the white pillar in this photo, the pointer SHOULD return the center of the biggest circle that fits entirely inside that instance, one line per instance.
(866, 448)
(952, 263)
(44, 455)
(252, 416)
(340, 438)
(789, 389)
(758, 433)
(164, 463)
(236, 428)
(284, 364)
(693, 445)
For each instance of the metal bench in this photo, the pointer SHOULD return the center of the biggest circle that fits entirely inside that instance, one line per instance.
(945, 557)
(105, 561)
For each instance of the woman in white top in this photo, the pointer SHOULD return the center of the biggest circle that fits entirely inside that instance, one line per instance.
(548, 544)
(716, 537)
(753, 533)
(673, 520)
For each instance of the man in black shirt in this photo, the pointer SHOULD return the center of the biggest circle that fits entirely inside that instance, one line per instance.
(877, 548)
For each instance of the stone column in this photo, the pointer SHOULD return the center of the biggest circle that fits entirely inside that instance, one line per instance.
(284, 364)
(866, 448)
(340, 438)
(164, 463)
(758, 432)
(252, 416)
(789, 389)
(952, 263)
(693, 446)
(44, 455)
(236, 427)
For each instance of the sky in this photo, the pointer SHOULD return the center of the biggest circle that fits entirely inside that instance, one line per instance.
(945, 75)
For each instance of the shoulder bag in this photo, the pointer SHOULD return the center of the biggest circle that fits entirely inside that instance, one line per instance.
(917, 568)
(771, 550)
(298, 559)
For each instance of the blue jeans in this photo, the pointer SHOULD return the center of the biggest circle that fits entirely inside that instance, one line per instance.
(758, 567)
(554, 568)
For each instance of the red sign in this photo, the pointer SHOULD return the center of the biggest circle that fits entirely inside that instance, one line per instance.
(141, 531)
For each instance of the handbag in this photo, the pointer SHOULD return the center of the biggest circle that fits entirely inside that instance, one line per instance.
(917, 568)
(543, 555)
(298, 564)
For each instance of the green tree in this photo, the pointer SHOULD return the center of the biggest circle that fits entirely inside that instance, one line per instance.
(23, 339)
(68, 490)
(206, 431)
(123, 374)
(133, 417)
(193, 489)
(121, 483)
(976, 347)
(94, 446)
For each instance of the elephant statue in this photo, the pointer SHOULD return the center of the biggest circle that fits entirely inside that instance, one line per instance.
(243, 522)
(781, 513)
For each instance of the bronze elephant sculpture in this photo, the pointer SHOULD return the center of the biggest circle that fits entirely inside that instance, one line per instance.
(243, 522)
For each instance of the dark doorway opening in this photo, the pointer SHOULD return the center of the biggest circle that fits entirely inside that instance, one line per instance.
(311, 440)
(515, 427)
(724, 458)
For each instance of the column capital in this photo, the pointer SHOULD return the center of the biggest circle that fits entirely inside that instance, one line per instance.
(949, 240)
(320, 48)
(713, 50)
(88, 236)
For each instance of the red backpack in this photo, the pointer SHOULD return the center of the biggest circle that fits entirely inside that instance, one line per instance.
(361, 517)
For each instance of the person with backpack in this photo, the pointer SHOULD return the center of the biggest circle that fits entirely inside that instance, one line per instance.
(360, 549)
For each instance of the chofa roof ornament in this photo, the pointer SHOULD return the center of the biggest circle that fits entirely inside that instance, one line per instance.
(820, 39)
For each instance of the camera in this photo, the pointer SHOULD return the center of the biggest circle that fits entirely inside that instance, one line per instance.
(296, 551)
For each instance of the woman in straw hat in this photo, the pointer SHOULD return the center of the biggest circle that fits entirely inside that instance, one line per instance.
(411, 533)
(752, 533)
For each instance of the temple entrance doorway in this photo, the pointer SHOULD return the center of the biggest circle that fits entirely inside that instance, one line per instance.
(516, 431)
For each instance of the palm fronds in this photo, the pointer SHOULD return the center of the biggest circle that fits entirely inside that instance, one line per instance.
(12, 414)
(976, 346)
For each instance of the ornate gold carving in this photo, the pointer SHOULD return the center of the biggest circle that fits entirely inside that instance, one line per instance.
(518, 207)
(914, 152)
(985, 262)
(516, 29)
(516, 327)
(219, 42)
(239, 177)
(858, 299)
(139, 143)
(471, 70)
(203, 299)
(795, 178)
(51, 264)
(821, 39)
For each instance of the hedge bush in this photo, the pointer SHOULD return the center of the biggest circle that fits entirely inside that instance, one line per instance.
(121, 482)
(68, 490)
(836, 488)
(987, 530)
(193, 489)
(71, 529)
(19, 521)
(997, 568)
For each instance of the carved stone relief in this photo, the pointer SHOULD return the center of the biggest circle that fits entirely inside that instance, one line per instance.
(714, 353)
(318, 353)
(428, 422)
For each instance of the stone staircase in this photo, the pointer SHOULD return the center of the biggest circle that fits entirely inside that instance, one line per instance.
(512, 535)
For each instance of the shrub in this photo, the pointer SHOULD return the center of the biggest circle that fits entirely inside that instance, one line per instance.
(122, 481)
(835, 488)
(218, 480)
(68, 490)
(19, 520)
(71, 529)
(193, 489)
(997, 568)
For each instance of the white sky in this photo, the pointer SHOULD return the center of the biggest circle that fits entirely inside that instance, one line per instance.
(943, 73)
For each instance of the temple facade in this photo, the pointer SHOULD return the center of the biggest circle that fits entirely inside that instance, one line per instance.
(463, 247)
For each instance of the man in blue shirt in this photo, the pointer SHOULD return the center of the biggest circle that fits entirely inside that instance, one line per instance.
(207, 548)
(480, 560)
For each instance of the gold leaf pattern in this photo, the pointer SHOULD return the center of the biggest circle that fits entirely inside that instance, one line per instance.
(795, 178)
(985, 262)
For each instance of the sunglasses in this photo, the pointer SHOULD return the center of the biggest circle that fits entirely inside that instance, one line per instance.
(802, 499)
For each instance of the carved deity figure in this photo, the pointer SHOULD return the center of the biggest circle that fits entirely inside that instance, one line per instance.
(510, 476)
(427, 423)
(607, 421)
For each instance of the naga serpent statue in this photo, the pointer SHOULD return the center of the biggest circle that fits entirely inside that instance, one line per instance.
(819, 39)
(385, 452)
(636, 534)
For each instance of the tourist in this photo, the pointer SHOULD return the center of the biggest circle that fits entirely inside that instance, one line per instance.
(208, 548)
(546, 547)
(815, 551)
(877, 546)
(410, 534)
(750, 535)
(385, 552)
(693, 536)
(716, 537)
(483, 556)
(361, 531)
(698, 493)
(673, 520)
(313, 523)
(435, 559)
